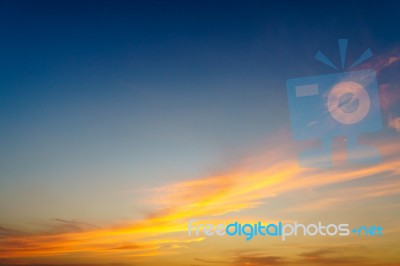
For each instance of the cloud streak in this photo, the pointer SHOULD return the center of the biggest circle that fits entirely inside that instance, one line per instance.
(246, 186)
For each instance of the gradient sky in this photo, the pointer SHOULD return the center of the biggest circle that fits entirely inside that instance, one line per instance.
(122, 120)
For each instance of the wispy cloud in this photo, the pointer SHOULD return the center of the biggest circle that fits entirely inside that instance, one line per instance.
(5, 232)
(336, 197)
(330, 255)
(383, 61)
(394, 122)
(260, 260)
(389, 90)
(335, 256)
(245, 186)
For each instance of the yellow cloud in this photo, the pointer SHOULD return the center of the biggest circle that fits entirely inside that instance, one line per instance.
(246, 186)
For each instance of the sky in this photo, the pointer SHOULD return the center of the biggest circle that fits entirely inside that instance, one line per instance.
(120, 121)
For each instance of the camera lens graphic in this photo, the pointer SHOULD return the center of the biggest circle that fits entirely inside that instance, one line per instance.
(348, 102)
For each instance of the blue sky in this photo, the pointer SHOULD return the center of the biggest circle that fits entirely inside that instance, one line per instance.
(98, 89)
(101, 99)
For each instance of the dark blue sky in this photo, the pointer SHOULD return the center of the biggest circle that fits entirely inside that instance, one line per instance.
(150, 91)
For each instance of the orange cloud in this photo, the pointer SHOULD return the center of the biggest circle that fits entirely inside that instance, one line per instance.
(380, 62)
(246, 186)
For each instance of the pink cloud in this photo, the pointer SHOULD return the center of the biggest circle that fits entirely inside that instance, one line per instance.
(394, 122)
